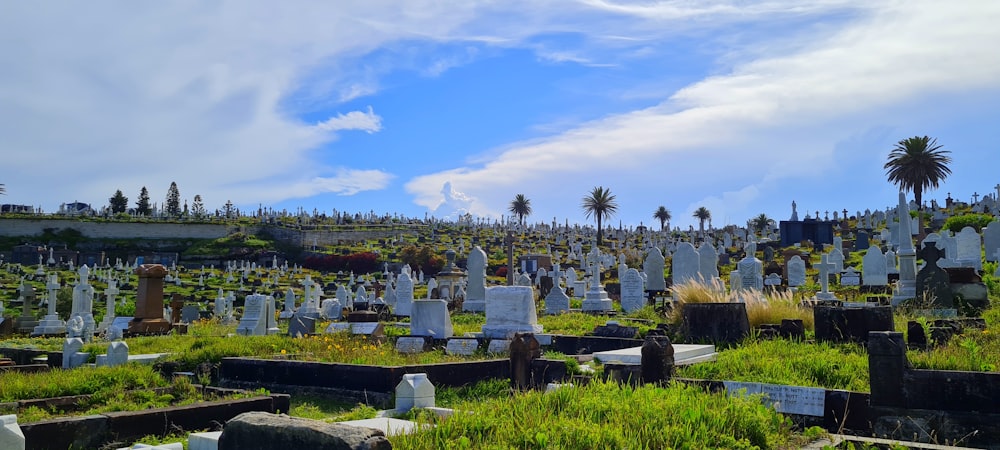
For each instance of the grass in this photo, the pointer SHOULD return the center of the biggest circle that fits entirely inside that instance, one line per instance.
(592, 416)
(762, 307)
(830, 366)
(58, 383)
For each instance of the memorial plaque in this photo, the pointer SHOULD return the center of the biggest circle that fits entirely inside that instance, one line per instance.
(410, 344)
(499, 346)
(462, 347)
(368, 328)
(337, 327)
(785, 399)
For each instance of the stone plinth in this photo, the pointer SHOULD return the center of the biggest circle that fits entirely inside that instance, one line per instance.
(430, 318)
(148, 317)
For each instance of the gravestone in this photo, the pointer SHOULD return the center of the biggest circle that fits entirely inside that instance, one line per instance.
(836, 257)
(289, 309)
(890, 263)
(301, 326)
(796, 271)
(873, 268)
(708, 262)
(657, 363)
(51, 324)
(475, 291)
(117, 355)
(825, 267)
(991, 240)
(498, 346)
(557, 301)
(613, 330)
(970, 248)
(331, 309)
(430, 318)
(932, 281)
(510, 310)
(524, 349)
(410, 345)
(772, 281)
(861, 241)
(258, 316)
(404, 295)
(632, 293)
(148, 318)
(190, 313)
(462, 346)
(751, 270)
(686, 265)
(850, 277)
(653, 267)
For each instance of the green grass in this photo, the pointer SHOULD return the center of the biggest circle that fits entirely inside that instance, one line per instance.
(57, 383)
(594, 416)
(830, 366)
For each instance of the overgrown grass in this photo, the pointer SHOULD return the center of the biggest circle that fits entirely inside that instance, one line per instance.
(593, 416)
(830, 366)
(762, 307)
(57, 383)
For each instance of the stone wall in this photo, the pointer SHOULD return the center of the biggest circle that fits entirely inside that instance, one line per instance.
(307, 238)
(116, 230)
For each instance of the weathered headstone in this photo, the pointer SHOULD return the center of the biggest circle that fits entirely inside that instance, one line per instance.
(653, 267)
(632, 293)
(475, 292)
(686, 264)
(462, 346)
(850, 277)
(873, 268)
(970, 248)
(933, 282)
(708, 262)
(431, 318)
(301, 326)
(510, 310)
(991, 240)
(148, 316)
(404, 295)
(796, 271)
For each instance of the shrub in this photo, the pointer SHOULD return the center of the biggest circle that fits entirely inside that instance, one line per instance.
(977, 221)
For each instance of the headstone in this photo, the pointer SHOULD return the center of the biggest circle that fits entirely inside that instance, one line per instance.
(615, 330)
(557, 301)
(796, 271)
(148, 317)
(850, 277)
(410, 345)
(404, 295)
(873, 268)
(751, 270)
(258, 316)
(970, 248)
(890, 263)
(462, 346)
(331, 309)
(991, 240)
(509, 310)
(632, 293)
(772, 280)
(117, 355)
(933, 283)
(836, 257)
(431, 318)
(653, 267)
(861, 241)
(657, 363)
(708, 262)
(289, 309)
(475, 292)
(190, 313)
(686, 264)
(301, 326)
(498, 346)
(51, 324)
(825, 267)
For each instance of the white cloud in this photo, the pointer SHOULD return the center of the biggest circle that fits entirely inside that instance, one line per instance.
(453, 204)
(355, 120)
(765, 119)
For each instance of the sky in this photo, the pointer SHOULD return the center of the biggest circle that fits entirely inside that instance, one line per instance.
(445, 107)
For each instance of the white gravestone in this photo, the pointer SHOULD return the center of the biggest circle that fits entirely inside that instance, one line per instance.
(653, 267)
(796, 271)
(431, 318)
(404, 295)
(850, 277)
(509, 310)
(708, 262)
(557, 301)
(462, 346)
(991, 239)
(970, 247)
(475, 292)
(686, 264)
(258, 316)
(11, 437)
(632, 293)
(873, 268)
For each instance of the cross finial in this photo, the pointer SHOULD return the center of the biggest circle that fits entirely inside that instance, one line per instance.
(975, 197)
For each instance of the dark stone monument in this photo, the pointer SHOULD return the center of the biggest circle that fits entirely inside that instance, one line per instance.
(915, 335)
(844, 324)
(301, 326)
(861, 241)
(148, 318)
(524, 349)
(932, 281)
(362, 316)
(715, 322)
(614, 330)
(792, 329)
(657, 359)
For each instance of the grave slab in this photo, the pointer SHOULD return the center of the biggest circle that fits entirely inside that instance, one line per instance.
(684, 354)
(388, 425)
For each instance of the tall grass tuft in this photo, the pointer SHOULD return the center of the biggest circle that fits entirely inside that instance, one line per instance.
(775, 307)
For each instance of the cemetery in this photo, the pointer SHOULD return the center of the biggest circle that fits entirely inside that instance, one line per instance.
(386, 332)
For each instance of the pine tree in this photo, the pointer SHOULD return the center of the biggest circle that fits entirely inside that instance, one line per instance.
(142, 205)
(228, 209)
(173, 204)
(119, 202)
(198, 208)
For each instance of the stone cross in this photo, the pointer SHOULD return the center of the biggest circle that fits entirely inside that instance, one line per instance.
(824, 273)
(975, 197)
(997, 187)
(53, 287)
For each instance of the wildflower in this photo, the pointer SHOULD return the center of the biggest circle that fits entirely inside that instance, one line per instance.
(283, 351)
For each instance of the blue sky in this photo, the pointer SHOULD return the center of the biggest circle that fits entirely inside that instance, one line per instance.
(741, 107)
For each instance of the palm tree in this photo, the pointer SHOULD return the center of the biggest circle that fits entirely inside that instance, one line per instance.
(601, 204)
(916, 164)
(3, 189)
(702, 214)
(521, 206)
(663, 215)
(760, 223)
